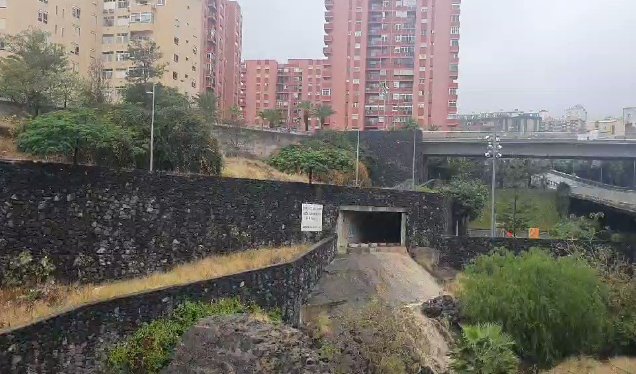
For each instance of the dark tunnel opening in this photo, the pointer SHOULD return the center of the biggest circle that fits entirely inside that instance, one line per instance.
(373, 227)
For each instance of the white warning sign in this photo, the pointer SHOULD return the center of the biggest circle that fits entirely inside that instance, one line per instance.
(312, 218)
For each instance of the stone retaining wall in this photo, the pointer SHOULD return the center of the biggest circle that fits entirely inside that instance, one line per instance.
(99, 224)
(76, 341)
(456, 252)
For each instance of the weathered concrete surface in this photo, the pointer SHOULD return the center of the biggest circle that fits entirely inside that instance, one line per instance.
(615, 197)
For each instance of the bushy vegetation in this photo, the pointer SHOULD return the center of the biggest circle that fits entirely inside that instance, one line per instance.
(578, 228)
(484, 349)
(620, 277)
(151, 348)
(552, 307)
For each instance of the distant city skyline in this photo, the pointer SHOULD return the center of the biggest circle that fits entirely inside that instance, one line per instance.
(521, 54)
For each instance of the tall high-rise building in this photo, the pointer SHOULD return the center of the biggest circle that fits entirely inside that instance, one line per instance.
(268, 84)
(186, 31)
(391, 60)
(232, 57)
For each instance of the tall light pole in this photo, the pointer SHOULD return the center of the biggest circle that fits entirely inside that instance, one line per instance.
(493, 153)
(414, 158)
(358, 160)
(152, 127)
(385, 94)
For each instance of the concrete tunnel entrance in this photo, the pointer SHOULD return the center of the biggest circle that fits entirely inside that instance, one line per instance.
(362, 226)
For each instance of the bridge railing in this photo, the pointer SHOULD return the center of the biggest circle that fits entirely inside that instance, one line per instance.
(472, 135)
(592, 183)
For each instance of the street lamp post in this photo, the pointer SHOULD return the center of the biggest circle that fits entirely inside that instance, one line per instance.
(358, 159)
(152, 127)
(494, 153)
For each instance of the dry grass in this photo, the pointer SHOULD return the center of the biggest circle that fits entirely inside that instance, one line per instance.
(253, 169)
(589, 366)
(20, 307)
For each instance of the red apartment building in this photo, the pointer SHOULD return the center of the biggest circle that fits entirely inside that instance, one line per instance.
(224, 35)
(391, 60)
(267, 84)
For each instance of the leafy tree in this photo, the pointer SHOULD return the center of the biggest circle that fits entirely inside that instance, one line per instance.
(80, 136)
(165, 97)
(96, 89)
(516, 214)
(67, 92)
(312, 161)
(145, 56)
(30, 75)
(411, 124)
(208, 105)
(323, 112)
(307, 109)
(183, 140)
(235, 116)
(274, 117)
(552, 307)
(469, 198)
(184, 143)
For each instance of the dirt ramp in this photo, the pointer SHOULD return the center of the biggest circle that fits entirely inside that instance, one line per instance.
(392, 277)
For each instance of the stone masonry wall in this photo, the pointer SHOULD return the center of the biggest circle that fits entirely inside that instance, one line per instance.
(99, 224)
(391, 152)
(76, 342)
(457, 252)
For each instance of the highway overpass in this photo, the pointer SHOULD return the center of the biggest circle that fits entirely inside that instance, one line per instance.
(532, 148)
(615, 197)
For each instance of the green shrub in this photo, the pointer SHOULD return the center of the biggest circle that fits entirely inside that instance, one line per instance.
(552, 307)
(151, 348)
(620, 277)
(484, 349)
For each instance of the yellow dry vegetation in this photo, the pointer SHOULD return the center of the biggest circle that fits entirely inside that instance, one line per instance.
(254, 169)
(19, 307)
(620, 365)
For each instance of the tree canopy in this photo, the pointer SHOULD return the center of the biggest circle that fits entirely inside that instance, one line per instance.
(35, 71)
(78, 136)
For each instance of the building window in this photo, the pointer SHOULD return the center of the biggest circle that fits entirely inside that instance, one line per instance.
(43, 16)
(452, 104)
(109, 21)
(145, 17)
(176, 58)
(175, 75)
(455, 30)
(76, 12)
(326, 92)
(454, 42)
(452, 91)
(122, 38)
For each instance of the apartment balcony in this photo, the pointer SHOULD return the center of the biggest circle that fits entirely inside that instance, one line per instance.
(329, 4)
(327, 51)
(141, 27)
(328, 39)
(328, 27)
(329, 16)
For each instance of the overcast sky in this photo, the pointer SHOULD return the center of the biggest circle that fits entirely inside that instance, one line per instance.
(515, 54)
